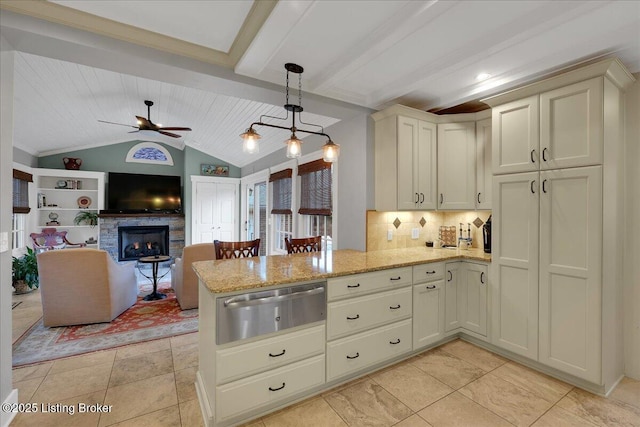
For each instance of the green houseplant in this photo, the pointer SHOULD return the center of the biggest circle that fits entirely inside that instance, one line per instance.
(25, 272)
(87, 217)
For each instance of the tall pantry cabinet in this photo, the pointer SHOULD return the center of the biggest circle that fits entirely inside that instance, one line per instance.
(557, 149)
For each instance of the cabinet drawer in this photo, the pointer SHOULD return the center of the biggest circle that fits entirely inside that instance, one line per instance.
(358, 314)
(259, 390)
(428, 272)
(360, 284)
(248, 359)
(351, 354)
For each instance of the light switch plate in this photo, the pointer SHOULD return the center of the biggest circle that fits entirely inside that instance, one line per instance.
(4, 241)
(415, 233)
(389, 235)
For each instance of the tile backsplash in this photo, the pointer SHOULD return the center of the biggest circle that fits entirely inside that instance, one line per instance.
(427, 223)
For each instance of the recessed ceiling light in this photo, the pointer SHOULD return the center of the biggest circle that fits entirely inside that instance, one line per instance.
(482, 76)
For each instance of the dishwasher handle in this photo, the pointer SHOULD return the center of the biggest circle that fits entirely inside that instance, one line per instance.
(240, 301)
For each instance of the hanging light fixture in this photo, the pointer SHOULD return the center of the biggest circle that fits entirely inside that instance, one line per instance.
(330, 150)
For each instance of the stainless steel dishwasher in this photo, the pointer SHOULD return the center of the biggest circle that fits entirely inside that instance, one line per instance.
(257, 313)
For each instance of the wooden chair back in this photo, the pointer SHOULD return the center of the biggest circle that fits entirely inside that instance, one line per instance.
(228, 250)
(308, 244)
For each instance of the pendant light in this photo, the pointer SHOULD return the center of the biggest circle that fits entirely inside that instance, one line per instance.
(330, 150)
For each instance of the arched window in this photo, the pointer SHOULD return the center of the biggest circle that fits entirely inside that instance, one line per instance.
(149, 152)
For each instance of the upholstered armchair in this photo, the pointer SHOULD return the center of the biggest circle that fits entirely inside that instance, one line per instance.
(84, 286)
(50, 238)
(184, 280)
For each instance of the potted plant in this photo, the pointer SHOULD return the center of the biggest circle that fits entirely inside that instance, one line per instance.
(24, 276)
(86, 217)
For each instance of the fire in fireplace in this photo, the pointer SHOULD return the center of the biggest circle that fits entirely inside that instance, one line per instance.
(139, 241)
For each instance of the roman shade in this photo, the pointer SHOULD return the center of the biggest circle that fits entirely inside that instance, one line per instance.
(281, 192)
(315, 188)
(21, 182)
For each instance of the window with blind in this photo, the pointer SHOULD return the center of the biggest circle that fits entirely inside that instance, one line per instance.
(281, 192)
(315, 188)
(21, 182)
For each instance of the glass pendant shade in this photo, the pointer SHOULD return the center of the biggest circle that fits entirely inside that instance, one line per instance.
(294, 147)
(250, 141)
(330, 151)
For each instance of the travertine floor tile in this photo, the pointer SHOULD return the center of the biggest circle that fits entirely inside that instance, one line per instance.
(548, 388)
(368, 404)
(255, 423)
(628, 391)
(141, 367)
(67, 412)
(315, 412)
(457, 410)
(515, 404)
(477, 356)
(447, 368)
(185, 384)
(138, 398)
(556, 417)
(30, 372)
(82, 361)
(185, 339)
(27, 388)
(64, 385)
(167, 417)
(190, 414)
(143, 348)
(599, 410)
(413, 421)
(185, 356)
(411, 386)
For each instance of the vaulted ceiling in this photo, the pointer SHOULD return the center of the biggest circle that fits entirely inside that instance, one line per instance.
(424, 54)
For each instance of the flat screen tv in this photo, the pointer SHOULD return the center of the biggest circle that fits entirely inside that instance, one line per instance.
(138, 193)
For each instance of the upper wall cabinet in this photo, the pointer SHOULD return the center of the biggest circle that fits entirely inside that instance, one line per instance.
(560, 128)
(405, 160)
(484, 170)
(457, 166)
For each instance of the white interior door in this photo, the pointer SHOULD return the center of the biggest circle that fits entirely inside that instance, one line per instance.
(215, 212)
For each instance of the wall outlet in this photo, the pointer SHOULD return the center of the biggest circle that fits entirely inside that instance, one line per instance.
(415, 233)
(389, 235)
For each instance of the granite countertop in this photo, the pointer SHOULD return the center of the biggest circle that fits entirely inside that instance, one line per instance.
(232, 275)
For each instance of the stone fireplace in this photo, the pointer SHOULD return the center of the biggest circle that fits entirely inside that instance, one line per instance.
(148, 236)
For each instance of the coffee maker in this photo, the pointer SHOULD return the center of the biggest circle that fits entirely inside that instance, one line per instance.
(486, 233)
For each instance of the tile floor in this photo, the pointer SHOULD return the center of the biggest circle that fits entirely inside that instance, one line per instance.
(457, 384)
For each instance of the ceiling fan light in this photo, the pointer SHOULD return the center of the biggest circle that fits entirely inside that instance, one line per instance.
(294, 147)
(250, 141)
(330, 151)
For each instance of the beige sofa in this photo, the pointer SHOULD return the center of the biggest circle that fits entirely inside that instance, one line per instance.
(82, 286)
(183, 279)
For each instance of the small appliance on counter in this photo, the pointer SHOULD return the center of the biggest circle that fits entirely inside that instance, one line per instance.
(486, 232)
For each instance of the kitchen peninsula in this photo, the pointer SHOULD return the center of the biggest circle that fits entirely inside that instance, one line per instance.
(380, 307)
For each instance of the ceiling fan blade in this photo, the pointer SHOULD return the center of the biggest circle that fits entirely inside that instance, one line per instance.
(144, 122)
(173, 135)
(119, 124)
(173, 128)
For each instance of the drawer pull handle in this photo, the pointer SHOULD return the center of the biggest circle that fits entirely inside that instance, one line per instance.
(431, 287)
(353, 318)
(354, 286)
(479, 198)
(544, 151)
(395, 342)
(431, 272)
(482, 277)
(394, 307)
(277, 355)
(450, 275)
(532, 153)
(395, 278)
(277, 388)
(354, 357)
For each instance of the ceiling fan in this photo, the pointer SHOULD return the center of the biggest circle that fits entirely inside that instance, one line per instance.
(147, 124)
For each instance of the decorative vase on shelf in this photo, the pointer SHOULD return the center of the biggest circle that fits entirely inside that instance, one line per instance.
(72, 163)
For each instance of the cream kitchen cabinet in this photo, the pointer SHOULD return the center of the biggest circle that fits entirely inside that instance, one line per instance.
(466, 297)
(560, 128)
(405, 161)
(456, 166)
(428, 304)
(484, 169)
(452, 293)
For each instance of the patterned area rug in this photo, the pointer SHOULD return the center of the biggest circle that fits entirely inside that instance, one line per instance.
(144, 321)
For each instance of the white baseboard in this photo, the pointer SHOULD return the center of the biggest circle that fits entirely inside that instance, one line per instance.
(7, 417)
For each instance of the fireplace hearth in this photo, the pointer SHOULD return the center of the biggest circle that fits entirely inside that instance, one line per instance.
(138, 241)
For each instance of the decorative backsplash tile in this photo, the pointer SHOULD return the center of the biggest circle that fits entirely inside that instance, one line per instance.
(478, 222)
(422, 221)
(397, 222)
